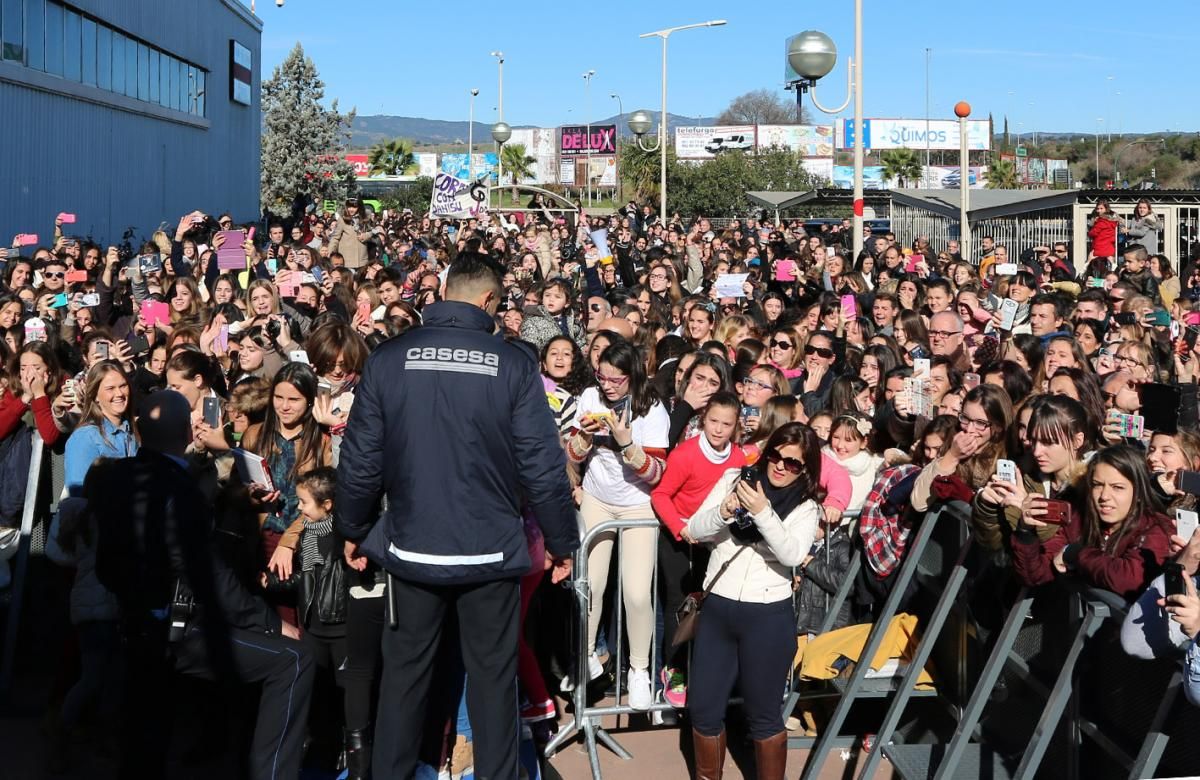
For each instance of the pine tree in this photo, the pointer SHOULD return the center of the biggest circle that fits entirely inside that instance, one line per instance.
(303, 142)
(1004, 145)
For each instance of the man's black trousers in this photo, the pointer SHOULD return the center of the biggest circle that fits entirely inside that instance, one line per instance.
(488, 622)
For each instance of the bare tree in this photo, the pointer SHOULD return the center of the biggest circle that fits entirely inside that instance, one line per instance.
(761, 107)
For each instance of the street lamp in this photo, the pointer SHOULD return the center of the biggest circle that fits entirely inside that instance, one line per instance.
(962, 110)
(1100, 121)
(501, 132)
(811, 55)
(620, 115)
(471, 138)
(1117, 160)
(587, 79)
(640, 121)
(499, 55)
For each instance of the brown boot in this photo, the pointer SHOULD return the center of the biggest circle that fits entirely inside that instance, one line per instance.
(770, 756)
(710, 755)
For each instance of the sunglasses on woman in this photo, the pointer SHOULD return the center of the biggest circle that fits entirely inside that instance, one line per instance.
(791, 465)
(824, 352)
(785, 344)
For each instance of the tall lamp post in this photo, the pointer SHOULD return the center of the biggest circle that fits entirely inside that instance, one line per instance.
(640, 121)
(587, 80)
(501, 132)
(811, 55)
(471, 138)
(499, 55)
(1099, 124)
(962, 110)
(620, 115)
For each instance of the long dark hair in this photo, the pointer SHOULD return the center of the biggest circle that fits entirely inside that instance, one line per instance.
(311, 443)
(626, 358)
(808, 484)
(1130, 463)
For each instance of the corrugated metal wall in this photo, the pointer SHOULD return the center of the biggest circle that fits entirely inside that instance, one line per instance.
(116, 169)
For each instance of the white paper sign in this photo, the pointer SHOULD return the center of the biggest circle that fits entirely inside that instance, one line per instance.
(730, 285)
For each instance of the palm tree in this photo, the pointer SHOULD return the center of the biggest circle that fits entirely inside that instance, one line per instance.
(391, 158)
(641, 169)
(903, 165)
(1001, 174)
(517, 164)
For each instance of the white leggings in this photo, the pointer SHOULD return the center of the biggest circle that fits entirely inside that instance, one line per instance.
(638, 548)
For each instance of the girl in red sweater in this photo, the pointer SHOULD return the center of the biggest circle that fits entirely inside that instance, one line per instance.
(33, 384)
(1103, 230)
(1119, 544)
(693, 468)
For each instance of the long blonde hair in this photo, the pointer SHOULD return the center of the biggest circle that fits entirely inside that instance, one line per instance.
(89, 403)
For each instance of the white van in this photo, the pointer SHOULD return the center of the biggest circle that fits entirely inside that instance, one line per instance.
(725, 143)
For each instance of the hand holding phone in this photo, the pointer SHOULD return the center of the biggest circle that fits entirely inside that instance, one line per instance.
(66, 219)
(212, 411)
(1186, 522)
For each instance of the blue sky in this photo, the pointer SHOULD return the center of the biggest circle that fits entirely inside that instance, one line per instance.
(1045, 65)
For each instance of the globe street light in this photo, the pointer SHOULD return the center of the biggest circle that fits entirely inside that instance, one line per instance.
(642, 120)
(501, 132)
(811, 56)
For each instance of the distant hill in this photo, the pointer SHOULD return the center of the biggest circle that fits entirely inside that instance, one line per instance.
(368, 130)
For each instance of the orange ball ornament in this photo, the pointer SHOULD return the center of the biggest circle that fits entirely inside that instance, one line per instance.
(962, 109)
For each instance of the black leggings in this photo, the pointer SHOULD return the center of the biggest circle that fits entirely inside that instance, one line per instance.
(364, 631)
(751, 645)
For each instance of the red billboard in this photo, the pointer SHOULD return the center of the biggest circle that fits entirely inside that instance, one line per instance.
(362, 169)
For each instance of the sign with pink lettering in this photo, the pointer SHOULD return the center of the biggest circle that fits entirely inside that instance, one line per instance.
(575, 141)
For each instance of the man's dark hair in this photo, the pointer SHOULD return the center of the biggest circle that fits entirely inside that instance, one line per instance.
(1061, 305)
(321, 483)
(1093, 295)
(471, 274)
(940, 283)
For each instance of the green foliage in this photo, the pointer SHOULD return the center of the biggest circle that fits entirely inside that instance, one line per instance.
(1001, 174)
(393, 157)
(415, 196)
(517, 164)
(718, 187)
(302, 141)
(640, 170)
(903, 165)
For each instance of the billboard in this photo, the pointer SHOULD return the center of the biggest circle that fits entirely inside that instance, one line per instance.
(484, 165)
(821, 167)
(808, 140)
(539, 143)
(911, 134)
(575, 141)
(704, 143)
(362, 169)
(427, 164)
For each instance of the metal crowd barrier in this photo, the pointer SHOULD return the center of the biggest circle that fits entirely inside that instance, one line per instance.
(586, 720)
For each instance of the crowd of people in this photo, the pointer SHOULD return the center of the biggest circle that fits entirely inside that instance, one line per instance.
(775, 400)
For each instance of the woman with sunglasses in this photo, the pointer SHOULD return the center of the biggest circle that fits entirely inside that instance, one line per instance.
(819, 358)
(760, 529)
(622, 433)
(970, 459)
(784, 350)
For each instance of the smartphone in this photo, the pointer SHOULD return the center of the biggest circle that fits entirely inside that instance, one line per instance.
(1006, 471)
(212, 411)
(324, 389)
(970, 381)
(102, 350)
(749, 475)
(1095, 281)
(1006, 269)
(1160, 404)
(149, 264)
(849, 307)
(91, 299)
(298, 356)
(78, 275)
(1125, 318)
(921, 367)
(621, 407)
(1129, 426)
(66, 219)
(1057, 512)
(918, 393)
(318, 274)
(250, 234)
(26, 239)
(222, 340)
(1159, 318)
(364, 311)
(139, 344)
(1186, 522)
(918, 352)
(749, 411)
(1189, 336)
(60, 301)
(1173, 584)
(1008, 313)
(1188, 481)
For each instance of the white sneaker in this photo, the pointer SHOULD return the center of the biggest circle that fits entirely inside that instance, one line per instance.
(595, 669)
(641, 693)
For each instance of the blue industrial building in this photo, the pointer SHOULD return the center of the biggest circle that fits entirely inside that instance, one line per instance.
(127, 113)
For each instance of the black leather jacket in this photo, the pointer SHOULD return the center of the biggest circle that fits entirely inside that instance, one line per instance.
(323, 586)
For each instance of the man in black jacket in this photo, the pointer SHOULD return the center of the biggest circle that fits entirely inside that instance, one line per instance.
(183, 608)
(451, 424)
